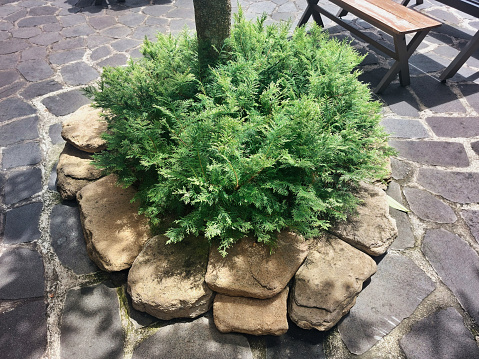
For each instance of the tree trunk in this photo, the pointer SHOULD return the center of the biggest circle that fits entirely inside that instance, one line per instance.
(213, 23)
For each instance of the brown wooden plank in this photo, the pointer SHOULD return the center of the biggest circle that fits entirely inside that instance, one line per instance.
(413, 16)
(387, 15)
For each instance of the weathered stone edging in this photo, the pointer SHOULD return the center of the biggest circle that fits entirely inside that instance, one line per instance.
(254, 296)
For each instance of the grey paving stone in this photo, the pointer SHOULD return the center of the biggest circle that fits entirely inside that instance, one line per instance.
(288, 7)
(444, 15)
(176, 26)
(27, 4)
(454, 126)
(436, 96)
(102, 22)
(64, 57)
(65, 103)
(475, 146)
(114, 61)
(52, 179)
(472, 220)
(16, 15)
(20, 130)
(261, 6)
(427, 207)
(373, 77)
(22, 154)
(26, 32)
(68, 44)
(79, 73)
(158, 10)
(9, 76)
(453, 31)
(296, 343)
(446, 51)
(42, 10)
(148, 31)
(405, 238)
(34, 52)
(22, 223)
(4, 35)
(35, 70)
(100, 53)
(131, 19)
(8, 9)
(404, 128)
(420, 63)
(185, 3)
(24, 331)
(72, 19)
(457, 265)
(40, 88)
(95, 41)
(461, 187)
(45, 39)
(118, 31)
(197, 339)
(12, 89)
(22, 184)
(9, 61)
(182, 13)
(14, 107)
(21, 274)
(158, 22)
(67, 238)
(442, 335)
(11, 46)
(52, 27)
(78, 30)
(125, 44)
(91, 325)
(36, 21)
(470, 93)
(54, 132)
(400, 101)
(395, 291)
(136, 54)
(432, 152)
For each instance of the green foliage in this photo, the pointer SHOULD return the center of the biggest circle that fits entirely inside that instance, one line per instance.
(275, 136)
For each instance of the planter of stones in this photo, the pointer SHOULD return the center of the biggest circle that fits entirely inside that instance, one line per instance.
(315, 282)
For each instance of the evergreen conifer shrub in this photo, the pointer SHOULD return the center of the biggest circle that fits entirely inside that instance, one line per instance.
(274, 136)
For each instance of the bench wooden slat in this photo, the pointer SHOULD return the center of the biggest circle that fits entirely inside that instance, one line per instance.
(388, 16)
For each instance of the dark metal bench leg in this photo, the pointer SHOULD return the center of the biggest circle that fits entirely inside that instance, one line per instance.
(401, 65)
(401, 51)
(405, 2)
(308, 12)
(342, 13)
(461, 58)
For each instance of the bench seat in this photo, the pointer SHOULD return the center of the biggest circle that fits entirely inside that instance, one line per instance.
(388, 16)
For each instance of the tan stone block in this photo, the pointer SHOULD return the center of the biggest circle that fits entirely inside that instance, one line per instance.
(251, 315)
(84, 128)
(114, 231)
(168, 280)
(250, 270)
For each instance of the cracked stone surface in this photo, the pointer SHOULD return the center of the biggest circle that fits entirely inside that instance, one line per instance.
(385, 302)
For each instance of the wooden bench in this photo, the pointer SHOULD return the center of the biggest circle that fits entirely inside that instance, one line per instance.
(388, 16)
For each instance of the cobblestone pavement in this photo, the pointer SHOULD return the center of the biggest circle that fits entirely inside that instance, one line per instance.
(54, 303)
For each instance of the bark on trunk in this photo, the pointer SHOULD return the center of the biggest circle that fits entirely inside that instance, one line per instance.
(213, 23)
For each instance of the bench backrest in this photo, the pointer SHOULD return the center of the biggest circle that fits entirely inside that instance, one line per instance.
(470, 7)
